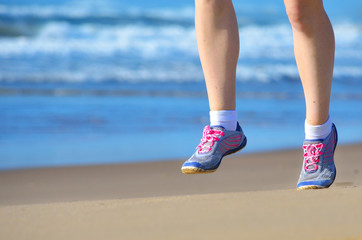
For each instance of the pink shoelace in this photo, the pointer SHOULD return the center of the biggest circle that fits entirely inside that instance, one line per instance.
(311, 156)
(209, 136)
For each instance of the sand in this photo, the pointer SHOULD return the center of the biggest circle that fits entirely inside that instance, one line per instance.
(249, 197)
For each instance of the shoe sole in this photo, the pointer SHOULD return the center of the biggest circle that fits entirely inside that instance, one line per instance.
(196, 170)
(310, 187)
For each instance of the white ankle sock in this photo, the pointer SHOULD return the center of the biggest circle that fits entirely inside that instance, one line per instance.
(318, 131)
(227, 119)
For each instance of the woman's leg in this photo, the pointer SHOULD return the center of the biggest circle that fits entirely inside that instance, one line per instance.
(218, 43)
(314, 53)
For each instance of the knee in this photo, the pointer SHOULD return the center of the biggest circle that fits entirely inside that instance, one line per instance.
(217, 7)
(303, 14)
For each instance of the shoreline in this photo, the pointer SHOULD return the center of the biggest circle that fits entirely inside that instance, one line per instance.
(244, 152)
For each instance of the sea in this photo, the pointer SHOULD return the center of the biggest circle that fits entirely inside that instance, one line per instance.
(113, 81)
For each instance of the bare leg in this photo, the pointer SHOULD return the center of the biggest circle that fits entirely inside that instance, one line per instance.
(314, 52)
(218, 43)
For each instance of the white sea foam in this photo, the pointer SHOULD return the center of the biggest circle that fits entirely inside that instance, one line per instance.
(158, 52)
(142, 41)
(273, 41)
(63, 38)
(348, 40)
(93, 8)
(42, 11)
(266, 41)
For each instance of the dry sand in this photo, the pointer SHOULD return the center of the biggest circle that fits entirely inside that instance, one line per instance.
(249, 197)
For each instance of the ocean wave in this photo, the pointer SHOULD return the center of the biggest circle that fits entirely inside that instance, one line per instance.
(81, 49)
(31, 20)
(64, 38)
(80, 9)
(176, 73)
(23, 18)
(108, 12)
(141, 41)
(274, 41)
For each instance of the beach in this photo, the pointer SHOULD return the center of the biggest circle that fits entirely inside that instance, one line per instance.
(251, 196)
(102, 101)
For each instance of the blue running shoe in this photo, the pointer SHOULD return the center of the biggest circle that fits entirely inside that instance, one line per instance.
(216, 143)
(318, 169)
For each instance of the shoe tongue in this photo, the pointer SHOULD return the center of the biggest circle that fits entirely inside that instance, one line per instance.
(221, 128)
(306, 142)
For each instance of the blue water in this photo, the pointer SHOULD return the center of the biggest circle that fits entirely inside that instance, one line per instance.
(93, 82)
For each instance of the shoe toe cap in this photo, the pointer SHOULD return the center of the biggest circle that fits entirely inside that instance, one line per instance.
(192, 164)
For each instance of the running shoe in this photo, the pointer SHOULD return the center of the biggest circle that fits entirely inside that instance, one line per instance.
(318, 169)
(216, 143)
